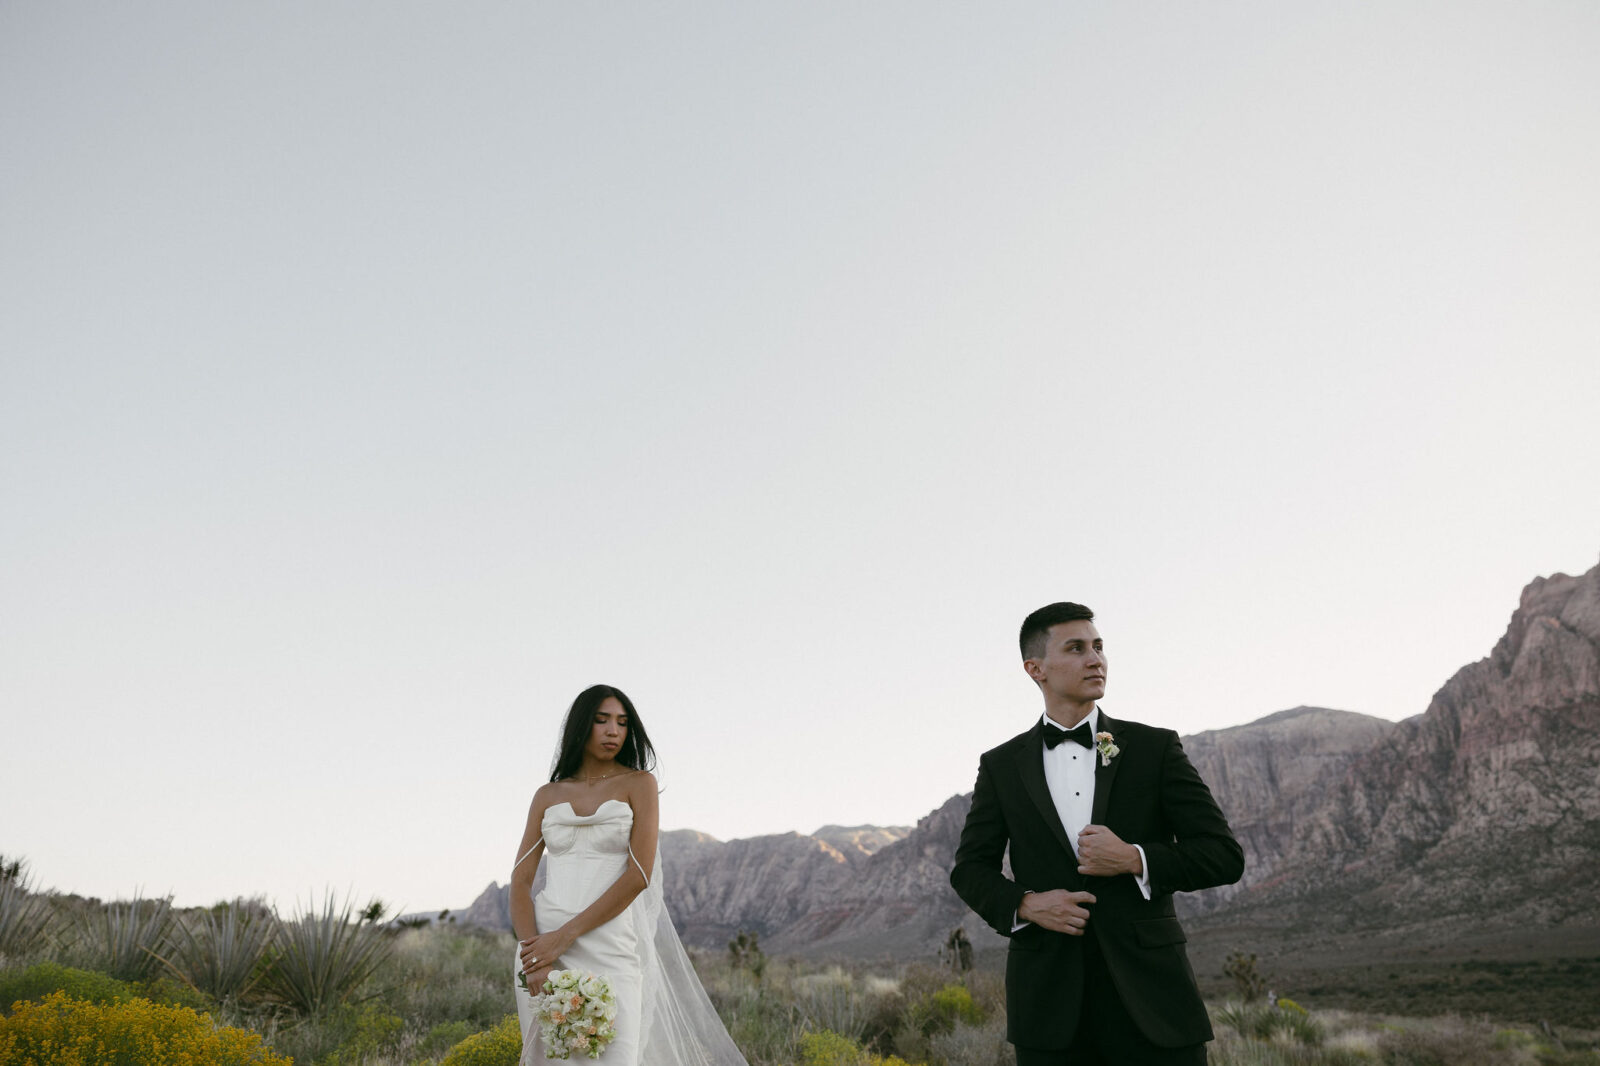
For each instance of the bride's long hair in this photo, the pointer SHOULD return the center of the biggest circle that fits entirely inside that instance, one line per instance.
(635, 753)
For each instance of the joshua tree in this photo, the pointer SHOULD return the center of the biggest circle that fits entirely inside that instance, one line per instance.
(957, 950)
(744, 951)
(1242, 969)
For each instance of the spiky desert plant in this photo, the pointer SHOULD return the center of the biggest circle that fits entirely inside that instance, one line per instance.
(219, 951)
(128, 939)
(25, 916)
(321, 957)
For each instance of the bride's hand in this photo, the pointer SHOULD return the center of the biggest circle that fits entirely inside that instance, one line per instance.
(543, 951)
(537, 978)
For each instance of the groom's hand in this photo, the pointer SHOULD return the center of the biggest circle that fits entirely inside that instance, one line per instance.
(1057, 909)
(1101, 853)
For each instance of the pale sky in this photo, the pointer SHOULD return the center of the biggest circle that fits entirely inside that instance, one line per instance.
(375, 376)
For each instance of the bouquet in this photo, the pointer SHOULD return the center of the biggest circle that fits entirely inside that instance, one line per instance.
(576, 1012)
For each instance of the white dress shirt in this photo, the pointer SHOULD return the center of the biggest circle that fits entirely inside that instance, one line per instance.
(1069, 770)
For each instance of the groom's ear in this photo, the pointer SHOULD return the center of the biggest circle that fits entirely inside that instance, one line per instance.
(1033, 669)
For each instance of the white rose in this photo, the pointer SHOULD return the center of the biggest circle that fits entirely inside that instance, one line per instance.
(563, 979)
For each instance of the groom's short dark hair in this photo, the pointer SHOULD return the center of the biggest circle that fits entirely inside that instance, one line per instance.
(1036, 627)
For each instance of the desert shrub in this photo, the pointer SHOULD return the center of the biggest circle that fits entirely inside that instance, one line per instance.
(1508, 1039)
(449, 974)
(1264, 1022)
(1560, 1057)
(767, 1028)
(1231, 1050)
(368, 1031)
(68, 1032)
(38, 981)
(944, 1008)
(1439, 1042)
(25, 917)
(219, 951)
(966, 1045)
(831, 1002)
(442, 1037)
(827, 1048)
(127, 940)
(321, 958)
(1247, 979)
(500, 1046)
(338, 1036)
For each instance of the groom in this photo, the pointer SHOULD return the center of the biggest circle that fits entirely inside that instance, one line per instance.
(1105, 820)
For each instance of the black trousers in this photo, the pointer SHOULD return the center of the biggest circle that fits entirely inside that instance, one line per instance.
(1106, 1035)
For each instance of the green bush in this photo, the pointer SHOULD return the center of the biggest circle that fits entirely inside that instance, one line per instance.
(444, 1036)
(219, 951)
(500, 1046)
(26, 917)
(40, 980)
(942, 1009)
(952, 1004)
(827, 1048)
(172, 992)
(320, 958)
(372, 1031)
(1264, 1022)
(128, 940)
(448, 974)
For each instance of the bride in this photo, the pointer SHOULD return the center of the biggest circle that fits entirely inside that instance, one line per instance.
(600, 910)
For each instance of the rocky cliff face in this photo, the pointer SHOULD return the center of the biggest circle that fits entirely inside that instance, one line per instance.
(1485, 808)
(1270, 776)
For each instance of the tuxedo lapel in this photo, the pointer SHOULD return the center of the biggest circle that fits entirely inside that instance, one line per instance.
(1030, 770)
(1104, 775)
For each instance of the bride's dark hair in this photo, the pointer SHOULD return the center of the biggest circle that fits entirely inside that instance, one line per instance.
(635, 753)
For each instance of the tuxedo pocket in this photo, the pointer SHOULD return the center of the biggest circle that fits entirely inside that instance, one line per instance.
(1159, 932)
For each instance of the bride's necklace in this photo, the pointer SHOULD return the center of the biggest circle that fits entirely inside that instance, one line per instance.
(602, 777)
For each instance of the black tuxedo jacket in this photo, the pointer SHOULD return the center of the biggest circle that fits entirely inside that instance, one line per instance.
(1148, 795)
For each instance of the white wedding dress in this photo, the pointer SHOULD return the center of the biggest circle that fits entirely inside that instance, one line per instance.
(663, 1015)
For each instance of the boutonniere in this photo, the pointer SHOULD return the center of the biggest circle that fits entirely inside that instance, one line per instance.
(1106, 745)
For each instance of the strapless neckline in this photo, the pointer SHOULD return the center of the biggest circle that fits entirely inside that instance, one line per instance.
(585, 817)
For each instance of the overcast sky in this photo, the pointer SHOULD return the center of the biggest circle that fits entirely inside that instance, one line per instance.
(375, 376)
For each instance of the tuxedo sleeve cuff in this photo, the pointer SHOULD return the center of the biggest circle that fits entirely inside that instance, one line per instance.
(1143, 880)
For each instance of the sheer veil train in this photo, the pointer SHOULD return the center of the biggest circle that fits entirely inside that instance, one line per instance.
(678, 1024)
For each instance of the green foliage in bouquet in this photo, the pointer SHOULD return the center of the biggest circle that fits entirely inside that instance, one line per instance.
(500, 1046)
(66, 1032)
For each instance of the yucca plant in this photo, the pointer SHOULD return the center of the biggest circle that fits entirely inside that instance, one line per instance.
(25, 916)
(321, 958)
(127, 940)
(219, 951)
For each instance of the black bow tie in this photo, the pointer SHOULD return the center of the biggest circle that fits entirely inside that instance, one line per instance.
(1083, 735)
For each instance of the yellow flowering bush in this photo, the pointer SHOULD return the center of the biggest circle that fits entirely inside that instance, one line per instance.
(67, 1032)
(500, 1046)
(825, 1047)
